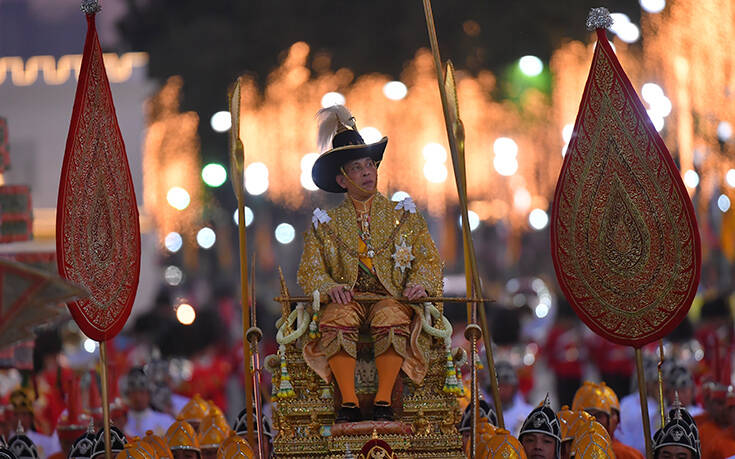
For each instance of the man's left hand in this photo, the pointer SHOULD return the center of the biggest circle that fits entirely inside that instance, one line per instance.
(414, 292)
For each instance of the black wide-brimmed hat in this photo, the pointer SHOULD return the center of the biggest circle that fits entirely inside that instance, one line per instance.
(340, 142)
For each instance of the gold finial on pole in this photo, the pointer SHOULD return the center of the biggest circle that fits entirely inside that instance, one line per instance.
(237, 159)
(455, 130)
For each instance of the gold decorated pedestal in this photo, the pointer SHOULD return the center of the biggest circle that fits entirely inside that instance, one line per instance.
(304, 422)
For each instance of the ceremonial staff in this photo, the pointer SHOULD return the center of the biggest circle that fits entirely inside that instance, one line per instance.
(97, 222)
(253, 336)
(618, 178)
(455, 134)
(237, 158)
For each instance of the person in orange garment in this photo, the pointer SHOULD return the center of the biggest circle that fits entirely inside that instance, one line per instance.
(724, 445)
(622, 451)
(713, 422)
(600, 401)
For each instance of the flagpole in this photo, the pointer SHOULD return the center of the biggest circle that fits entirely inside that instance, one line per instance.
(237, 158)
(460, 178)
(253, 336)
(644, 402)
(661, 382)
(105, 398)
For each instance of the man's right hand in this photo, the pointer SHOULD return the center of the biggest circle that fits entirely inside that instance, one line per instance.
(340, 294)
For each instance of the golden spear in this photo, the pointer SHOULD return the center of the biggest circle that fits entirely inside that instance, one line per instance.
(455, 130)
(237, 159)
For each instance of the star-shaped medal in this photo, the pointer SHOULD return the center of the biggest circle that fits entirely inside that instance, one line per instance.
(403, 255)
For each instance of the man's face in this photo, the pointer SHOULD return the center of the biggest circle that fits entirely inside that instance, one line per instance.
(539, 446)
(674, 452)
(614, 421)
(362, 172)
(507, 392)
(139, 399)
(209, 453)
(601, 417)
(185, 454)
(566, 449)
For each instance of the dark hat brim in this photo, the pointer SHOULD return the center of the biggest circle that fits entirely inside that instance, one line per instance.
(327, 166)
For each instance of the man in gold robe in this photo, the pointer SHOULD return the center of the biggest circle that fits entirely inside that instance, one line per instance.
(367, 246)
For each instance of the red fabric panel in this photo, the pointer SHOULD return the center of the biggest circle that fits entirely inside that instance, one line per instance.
(97, 228)
(624, 236)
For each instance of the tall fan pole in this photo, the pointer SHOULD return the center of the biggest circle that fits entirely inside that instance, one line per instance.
(661, 382)
(644, 402)
(105, 398)
(237, 158)
(460, 178)
(253, 335)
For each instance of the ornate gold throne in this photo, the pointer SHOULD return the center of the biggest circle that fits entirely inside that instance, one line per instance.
(426, 415)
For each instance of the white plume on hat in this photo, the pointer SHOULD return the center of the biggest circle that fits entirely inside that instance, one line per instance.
(330, 120)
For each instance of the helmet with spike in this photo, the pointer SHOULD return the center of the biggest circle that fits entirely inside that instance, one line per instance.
(83, 446)
(542, 420)
(677, 432)
(22, 446)
(117, 441)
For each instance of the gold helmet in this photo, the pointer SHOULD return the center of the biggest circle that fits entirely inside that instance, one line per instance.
(21, 400)
(592, 442)
(610, 396)
(133, 451)
(146, 446)
(500, 444)
(181, 435)
(484, 431)
(590, 397)
(213, 431)
(570, 421)
(566, 418)
(235, 447)
(159, 445)
(214, 409)
(194, 410)
(484, 427)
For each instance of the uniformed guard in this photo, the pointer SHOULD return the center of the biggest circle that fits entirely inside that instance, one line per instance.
(540, 433)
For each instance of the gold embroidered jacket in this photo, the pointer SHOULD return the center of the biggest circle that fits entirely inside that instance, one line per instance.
(330, 255)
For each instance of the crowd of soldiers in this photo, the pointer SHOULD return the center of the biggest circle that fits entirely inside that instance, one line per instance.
(584, 431)
(590, 428)
(137, 431)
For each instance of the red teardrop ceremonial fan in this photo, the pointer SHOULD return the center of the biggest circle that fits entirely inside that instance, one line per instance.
(97, 229)
(624, 236)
